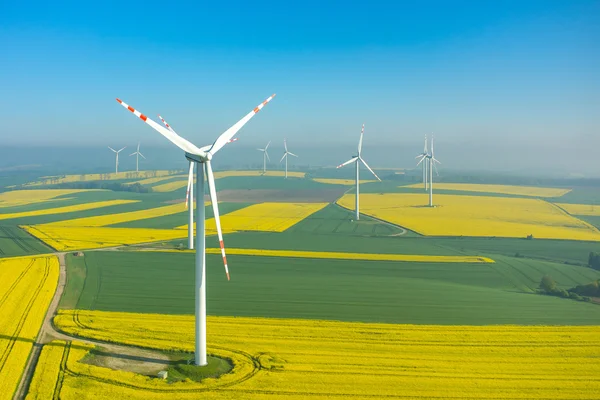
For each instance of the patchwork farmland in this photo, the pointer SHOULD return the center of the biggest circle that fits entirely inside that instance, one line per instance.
(447, 291)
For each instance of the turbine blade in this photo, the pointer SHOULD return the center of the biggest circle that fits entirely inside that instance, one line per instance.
(112, 149)
(353, 159)
(435, 169)
(230, 133)
(177, 140)
(292, 154)
(189, 184)
(133, 154)
(261, 149)
(267, 154)
(369, 168)
(267, 146)
(362, 131)
(436, 160)
(425, 147)
(285, 145)
(142, 155)
(122, 149)
(284, 154)
(215, 206)
(166, 124)
(421, 160)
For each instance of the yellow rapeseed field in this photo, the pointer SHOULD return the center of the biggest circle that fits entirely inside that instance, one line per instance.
(225, 174)
(27, 285)
(23, 197)
(53, 180)
(47, 371)
(346, 182)
(581, 209)
(299, 359)
(66, 209)
(267, 217)
(456, 215)
(504, 189)
(67, 238)
(113, 219)
(346, 256)
(151, 181)
(170, 186)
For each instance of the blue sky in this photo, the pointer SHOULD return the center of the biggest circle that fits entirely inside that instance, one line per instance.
(504, 71)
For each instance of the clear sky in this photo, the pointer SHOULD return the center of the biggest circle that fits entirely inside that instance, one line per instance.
(494, 71)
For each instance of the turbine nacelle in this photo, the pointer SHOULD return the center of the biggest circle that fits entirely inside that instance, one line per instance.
(199, 158)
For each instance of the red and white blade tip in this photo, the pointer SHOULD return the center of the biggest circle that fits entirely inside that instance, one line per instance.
(133, 110)
(260, 106)
(164, 122)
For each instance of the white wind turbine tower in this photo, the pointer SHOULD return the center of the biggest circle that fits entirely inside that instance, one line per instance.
(117, 160)
(137, 155)
(432, 160)
(202, 157)
(189, 192)
(356, 159)
(423, 156)
(265, 156)
(285, 155)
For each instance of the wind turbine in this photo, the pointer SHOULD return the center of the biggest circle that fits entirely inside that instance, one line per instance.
(202, 157)
(356, 159)
(423, 156)
(265, 156)
(189, 192)
(137, 157)
(117, 161)
(285, 155)
(432, 160)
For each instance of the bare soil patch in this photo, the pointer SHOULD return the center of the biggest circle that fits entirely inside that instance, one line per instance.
(140, 361)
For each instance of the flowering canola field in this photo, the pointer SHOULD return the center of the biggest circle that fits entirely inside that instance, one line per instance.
(169, 186)
(298, 359)
(455, 215)
(581, 209)
(346, 182)
(66, 209)
(67, 238)
(113, 219)
(23, 197)
(504, 189)
(346, 256)
(267, 217)
(47, 371)
(27, 285)
(150, 181)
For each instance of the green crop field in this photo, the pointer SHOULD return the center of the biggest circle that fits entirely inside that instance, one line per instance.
(395, 292)
(16, 242)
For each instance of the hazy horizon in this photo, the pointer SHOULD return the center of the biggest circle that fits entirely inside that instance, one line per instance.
(513, 86)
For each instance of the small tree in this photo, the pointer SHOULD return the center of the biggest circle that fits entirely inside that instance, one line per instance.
(547, 284)
(594, 260)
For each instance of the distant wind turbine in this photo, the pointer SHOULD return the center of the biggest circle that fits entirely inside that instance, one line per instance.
(430, 159)
(356, 159)
(285, 155)
(265, 156)
(117, 160)
(137, 155)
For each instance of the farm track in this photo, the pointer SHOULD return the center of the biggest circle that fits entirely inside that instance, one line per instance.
(48, 333)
